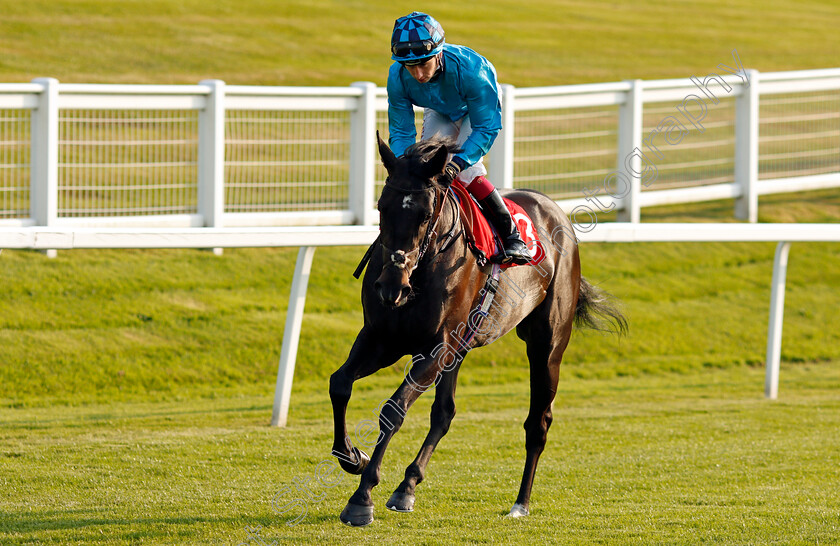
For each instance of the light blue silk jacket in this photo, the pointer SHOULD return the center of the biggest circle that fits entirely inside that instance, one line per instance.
(466, 86)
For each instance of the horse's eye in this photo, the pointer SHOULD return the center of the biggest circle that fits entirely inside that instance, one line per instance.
(427, 217)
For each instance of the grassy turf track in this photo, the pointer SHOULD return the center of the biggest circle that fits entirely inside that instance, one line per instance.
(682, 459)
(136, 386)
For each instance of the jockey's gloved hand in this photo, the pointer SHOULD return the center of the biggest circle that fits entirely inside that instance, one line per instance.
(453, 169)
(450, 172)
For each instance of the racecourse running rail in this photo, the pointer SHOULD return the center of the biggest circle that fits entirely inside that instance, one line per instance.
(308, 238)
(217, 155)
(215, 166)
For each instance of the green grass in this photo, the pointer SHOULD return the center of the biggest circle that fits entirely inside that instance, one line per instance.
(136, 409)
(296, 42)
(136, 386)
(128, 324)
(690, 459)
(336, 43)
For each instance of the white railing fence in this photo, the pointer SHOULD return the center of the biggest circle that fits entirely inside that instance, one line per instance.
(224, 155)
(214, 166)
(308, 238)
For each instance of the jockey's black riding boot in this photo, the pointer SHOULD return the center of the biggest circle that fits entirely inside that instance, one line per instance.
(516, 250)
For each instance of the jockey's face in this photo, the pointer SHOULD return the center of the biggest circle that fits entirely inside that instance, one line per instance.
(425, 71)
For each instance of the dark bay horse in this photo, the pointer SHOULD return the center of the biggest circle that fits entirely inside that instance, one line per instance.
(420, 295)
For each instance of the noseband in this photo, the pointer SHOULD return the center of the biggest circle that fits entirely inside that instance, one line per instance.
(411, 259)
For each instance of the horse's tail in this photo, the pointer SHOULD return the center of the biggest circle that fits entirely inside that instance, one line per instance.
(596, 309)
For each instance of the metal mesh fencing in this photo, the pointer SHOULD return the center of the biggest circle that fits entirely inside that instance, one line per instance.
(127, 162)
(286, 161)
(702, 157)
(799, 134)
(561, 151)
(140, 161)
(14, 163)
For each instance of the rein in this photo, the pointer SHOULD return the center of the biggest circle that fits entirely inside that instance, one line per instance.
(400, 258)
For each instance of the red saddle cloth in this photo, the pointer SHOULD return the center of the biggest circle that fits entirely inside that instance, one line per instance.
(483, 239)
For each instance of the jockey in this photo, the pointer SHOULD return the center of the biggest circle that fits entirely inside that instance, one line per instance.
(458, 91)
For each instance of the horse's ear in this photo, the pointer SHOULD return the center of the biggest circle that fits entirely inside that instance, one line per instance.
(435, 165)
(388, 157)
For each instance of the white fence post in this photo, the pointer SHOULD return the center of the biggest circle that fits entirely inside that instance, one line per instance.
(291, 337)
(629, 143)
(774, 325)
(500, 159)
(211, 156)
(44, 160)
(363, 155)
(746, 149)
(44, 157)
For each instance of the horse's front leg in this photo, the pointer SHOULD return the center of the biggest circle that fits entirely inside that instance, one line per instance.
(443, 411)
(424, 374)
(366, 357)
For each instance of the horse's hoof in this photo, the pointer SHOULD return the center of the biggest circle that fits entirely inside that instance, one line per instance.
(360, 461)
(401, 502)
(518, 511)
(356, 515)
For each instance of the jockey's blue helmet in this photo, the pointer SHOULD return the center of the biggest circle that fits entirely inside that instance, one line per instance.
(416, 37)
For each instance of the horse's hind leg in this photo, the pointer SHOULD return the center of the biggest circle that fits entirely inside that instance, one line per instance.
(545, 352)
(443, 411)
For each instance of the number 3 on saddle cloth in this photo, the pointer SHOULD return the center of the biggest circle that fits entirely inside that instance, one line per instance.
(482, 237)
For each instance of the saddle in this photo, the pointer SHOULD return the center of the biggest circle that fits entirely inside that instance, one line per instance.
(481, 236)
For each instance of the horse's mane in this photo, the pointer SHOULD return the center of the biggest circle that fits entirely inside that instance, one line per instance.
(422, 151)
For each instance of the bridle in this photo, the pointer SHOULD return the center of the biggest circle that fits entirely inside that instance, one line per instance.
(411, 259)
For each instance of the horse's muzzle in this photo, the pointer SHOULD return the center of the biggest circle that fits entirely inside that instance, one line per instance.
(392, 287)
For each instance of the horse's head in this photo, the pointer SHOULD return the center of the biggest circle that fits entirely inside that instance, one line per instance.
(409, 207)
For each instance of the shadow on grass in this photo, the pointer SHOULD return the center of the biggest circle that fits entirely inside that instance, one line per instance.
(167, 414)
(54, 520)
(231, 530)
